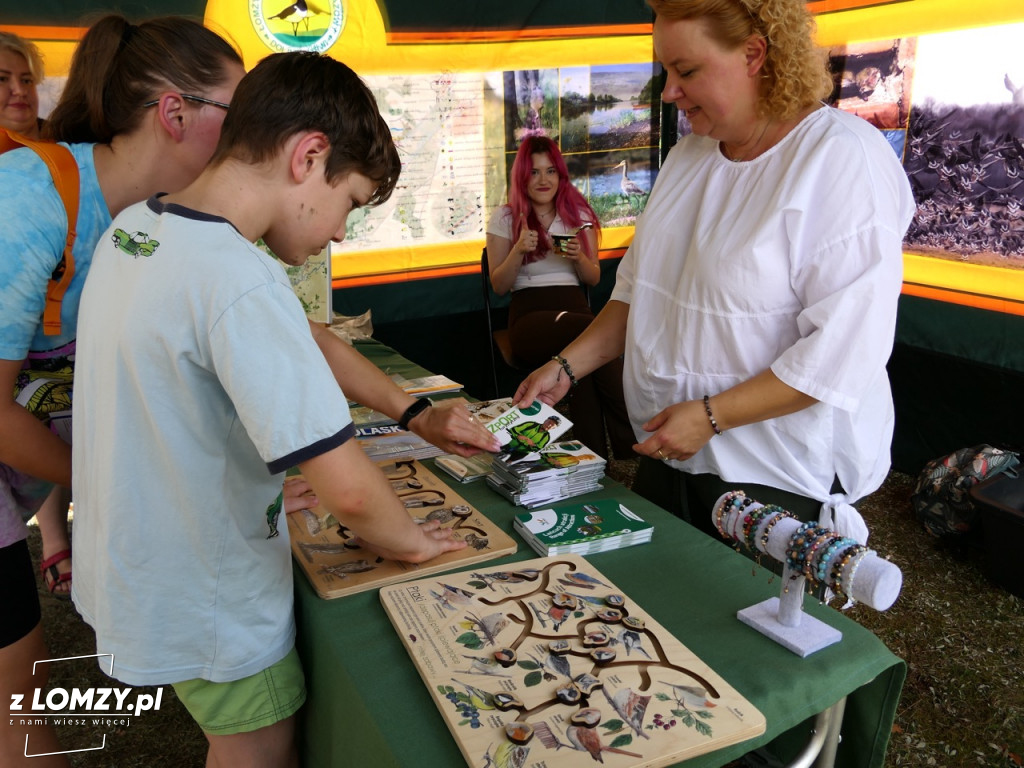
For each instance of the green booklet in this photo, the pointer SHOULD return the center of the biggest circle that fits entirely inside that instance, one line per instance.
(582, 528)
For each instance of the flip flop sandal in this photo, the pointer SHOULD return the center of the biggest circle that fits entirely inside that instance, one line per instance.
(54, 578)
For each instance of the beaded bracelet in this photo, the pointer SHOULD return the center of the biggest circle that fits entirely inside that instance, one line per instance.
(800, 542)
(567, 368)
(766, 531)
(731, 500)
(807, 566)
(820, 543)
(751, 522)
(711, 418)
(831, 551)
(734, 517)
(720, 511)
(850, 558)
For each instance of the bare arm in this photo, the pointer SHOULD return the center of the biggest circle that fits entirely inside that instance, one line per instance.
(505, 257)
(604, 340)
(25, 442)
(355, 491)
(683, 429)
(448, 425)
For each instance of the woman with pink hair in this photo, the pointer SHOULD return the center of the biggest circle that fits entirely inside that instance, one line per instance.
(549, 307)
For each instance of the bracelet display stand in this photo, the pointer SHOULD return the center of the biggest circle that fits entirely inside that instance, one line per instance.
(807, 551)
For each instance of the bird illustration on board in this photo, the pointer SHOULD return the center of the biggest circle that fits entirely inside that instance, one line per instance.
(589, 740)
(632, 641)
(580, 579)
(594, 602)
(342, 570)
(630, 188)
(631, 707)
(690, 696)
(580, 738)
(478, 697)
(490, 625)
(483, 665)
(557, 613)
(507, 755)
(553, 666)
(451, 596)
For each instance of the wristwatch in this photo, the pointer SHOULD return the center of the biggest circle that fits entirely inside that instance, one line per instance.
(413, 411)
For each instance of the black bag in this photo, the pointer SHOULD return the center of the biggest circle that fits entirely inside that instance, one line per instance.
(942, 499)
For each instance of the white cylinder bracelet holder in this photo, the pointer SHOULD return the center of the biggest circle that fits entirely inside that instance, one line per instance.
(867, 579)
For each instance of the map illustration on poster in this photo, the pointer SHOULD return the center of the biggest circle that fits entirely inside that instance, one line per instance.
(437, 122)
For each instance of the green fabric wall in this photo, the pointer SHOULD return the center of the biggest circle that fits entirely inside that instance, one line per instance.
(61, 13)
(439, 15)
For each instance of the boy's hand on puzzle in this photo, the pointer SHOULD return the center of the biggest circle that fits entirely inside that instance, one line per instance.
(451, 427)
(298, 494)
(435, 541)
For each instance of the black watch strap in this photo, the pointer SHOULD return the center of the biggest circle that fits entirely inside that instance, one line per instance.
(413, 411)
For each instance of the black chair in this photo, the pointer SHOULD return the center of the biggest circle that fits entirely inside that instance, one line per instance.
(497, 326)
(499, 342)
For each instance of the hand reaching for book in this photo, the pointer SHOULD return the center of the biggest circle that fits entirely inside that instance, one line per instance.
(549, 384)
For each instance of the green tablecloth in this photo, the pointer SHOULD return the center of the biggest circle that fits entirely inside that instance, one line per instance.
(368, 706)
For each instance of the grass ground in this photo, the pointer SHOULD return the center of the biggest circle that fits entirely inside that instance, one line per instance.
(962, 638)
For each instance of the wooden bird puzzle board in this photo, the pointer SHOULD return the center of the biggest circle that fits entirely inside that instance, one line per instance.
(552, 648)
(335, 568)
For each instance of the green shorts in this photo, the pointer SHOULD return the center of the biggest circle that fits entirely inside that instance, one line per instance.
(248, 704)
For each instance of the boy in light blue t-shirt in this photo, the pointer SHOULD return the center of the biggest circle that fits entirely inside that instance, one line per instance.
(204, 384)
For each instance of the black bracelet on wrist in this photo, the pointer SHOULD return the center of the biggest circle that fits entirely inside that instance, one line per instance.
(711, 418)
(413, 411)
(567, 368)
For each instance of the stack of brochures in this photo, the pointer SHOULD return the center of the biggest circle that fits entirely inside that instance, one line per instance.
(583, 529)
(558, 471)
(391, 442)
(426, 385)
(504, 412)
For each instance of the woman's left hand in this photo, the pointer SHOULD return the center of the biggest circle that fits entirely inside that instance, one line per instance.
(679, 432)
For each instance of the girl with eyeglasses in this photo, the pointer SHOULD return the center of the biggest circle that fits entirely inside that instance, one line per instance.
(141, 113)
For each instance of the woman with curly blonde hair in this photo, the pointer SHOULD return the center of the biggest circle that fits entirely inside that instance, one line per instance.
(756, 305)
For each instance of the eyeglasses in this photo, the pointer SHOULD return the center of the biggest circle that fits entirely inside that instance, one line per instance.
(188, 97)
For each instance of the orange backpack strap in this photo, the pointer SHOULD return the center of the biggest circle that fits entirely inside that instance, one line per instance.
(64, 170)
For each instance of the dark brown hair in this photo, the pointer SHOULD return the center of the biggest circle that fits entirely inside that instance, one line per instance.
(118, 66)
(287, 93)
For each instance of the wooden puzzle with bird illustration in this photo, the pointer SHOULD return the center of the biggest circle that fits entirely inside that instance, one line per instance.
(547, 664)
(336, 566)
